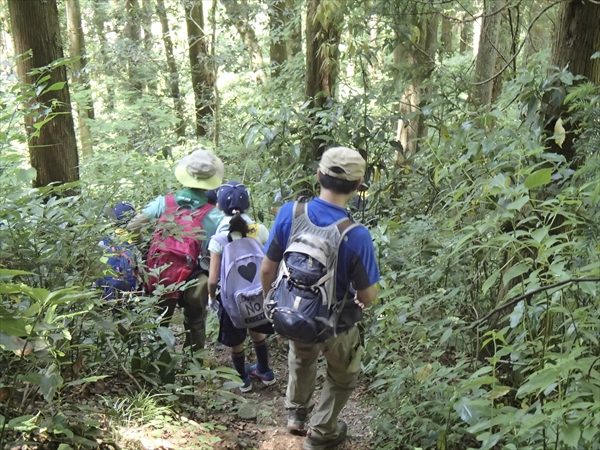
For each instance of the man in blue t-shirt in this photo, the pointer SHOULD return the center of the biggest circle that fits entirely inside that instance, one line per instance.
(340, 173)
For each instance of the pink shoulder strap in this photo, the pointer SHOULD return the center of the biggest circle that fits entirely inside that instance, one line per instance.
(170, 204)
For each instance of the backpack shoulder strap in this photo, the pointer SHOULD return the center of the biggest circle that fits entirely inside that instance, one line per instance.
(345, 225)
(170, 204)
(299, 209)
(221, 238)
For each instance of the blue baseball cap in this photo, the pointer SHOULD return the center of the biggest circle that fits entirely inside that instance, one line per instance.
(211, 196)
(233, 196)
(123, 212)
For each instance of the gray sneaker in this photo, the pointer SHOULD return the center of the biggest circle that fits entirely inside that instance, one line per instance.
(315, 442)
(296, 420)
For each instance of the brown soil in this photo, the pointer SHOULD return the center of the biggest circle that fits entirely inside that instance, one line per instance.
(269, 432)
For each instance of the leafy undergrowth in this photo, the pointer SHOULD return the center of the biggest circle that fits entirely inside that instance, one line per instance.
(126, 418)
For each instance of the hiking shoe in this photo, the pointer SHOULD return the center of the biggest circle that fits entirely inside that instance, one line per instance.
(296, 420)
(314, 442)
(247, 386)
(268, 377)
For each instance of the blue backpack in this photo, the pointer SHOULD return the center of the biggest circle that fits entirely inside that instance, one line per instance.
(121, 268)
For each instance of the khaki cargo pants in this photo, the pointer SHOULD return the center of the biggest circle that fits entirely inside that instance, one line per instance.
(343, 354)
(193, 301)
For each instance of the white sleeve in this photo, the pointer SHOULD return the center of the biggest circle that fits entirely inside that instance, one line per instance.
(263, 234)
(215, 247)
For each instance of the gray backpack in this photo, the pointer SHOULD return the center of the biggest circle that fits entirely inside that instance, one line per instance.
(302, 303)
(241, 290)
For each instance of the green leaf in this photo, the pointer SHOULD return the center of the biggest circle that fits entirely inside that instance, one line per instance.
(26, 175)
(64, 447)
(167, 336)
(13, 326)
(9, 273)
(570, 435)
(515, 271)
(56, 86)
(517, 314)
(518, 204)
(50, 382)
(11, 343)
(446, 335)
(85, 380)
(540, 233)
(538, 178)
(23, 423)
(472, 410)
(490, 281)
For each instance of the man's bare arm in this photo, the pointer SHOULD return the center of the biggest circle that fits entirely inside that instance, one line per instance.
(268, 274)
(364, 297)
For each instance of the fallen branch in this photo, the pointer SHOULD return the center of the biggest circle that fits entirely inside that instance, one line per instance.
(112, 349)
(532, 292)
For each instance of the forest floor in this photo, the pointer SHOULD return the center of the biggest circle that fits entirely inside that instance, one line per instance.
(254, 420)
(264, 425)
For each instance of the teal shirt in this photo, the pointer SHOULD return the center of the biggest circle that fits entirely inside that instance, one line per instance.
(156, 208)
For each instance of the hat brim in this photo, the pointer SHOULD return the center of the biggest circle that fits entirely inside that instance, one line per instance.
(189, 181)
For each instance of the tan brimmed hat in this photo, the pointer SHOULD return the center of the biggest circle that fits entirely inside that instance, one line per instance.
(343, 163)
(201, 169)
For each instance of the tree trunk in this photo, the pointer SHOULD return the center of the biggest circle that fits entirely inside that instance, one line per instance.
(278, 48)
(99, 17)
(52, 148)
(504, 53)
(466, 35)
(133, 33)
(322, 41)
(146, 21)
(321, 56)
(446, 47)
(293, 17)
(173, 75)
(85, 109)
(202, 75)
(215, 68)
(420, 56)
(238, 13)
(487, 53)
(576, 38)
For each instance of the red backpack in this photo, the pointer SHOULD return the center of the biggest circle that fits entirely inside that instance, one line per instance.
(175, 248)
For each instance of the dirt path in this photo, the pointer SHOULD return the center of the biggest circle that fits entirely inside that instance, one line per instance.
(268, 430)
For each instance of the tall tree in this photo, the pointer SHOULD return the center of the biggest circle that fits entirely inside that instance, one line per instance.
(215, 69)
(322, 51)
(99, 17)
(576, 39)
(146, 23)
(446, 36)
(238, 12)
(419, 54)
(506, 46)
(53, 152)
(85, 107)
(133, 34)
(293, 20)
(487, 53)
(278, 47)
(200, 63)
(466, 33)
(173, 74)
